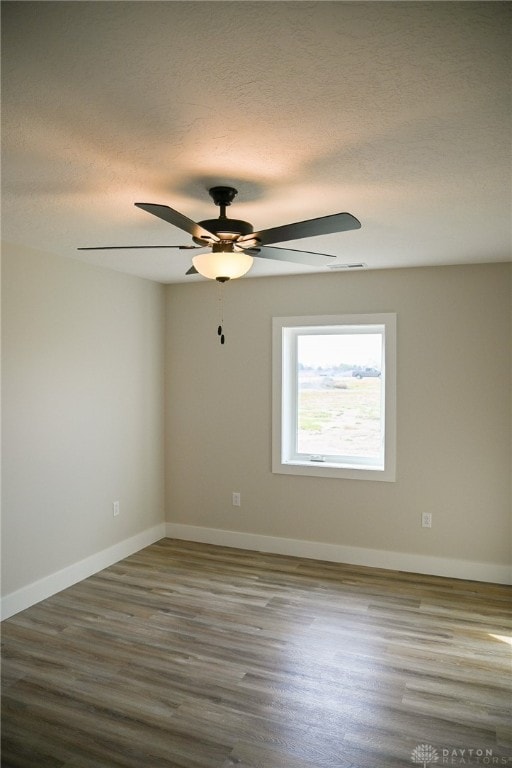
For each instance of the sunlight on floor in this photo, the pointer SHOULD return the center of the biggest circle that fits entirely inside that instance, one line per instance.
(503, 638)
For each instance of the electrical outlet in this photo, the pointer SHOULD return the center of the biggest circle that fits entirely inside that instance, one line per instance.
(426, 520)
(115, 508)
(236, 499)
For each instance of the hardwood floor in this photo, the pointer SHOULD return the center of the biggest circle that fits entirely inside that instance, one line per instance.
(198, 656)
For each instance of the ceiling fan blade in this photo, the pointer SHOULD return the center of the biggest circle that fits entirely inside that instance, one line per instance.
(288, 254)
(178, 220)
(325, 225)
(122, 247)
(192, 271)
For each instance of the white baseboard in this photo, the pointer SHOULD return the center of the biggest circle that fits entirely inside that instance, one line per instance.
(316, 550)
(55, 582)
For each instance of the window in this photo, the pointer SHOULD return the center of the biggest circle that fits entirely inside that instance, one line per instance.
(334, 396)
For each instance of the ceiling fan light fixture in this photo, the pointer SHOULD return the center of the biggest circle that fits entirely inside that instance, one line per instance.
(233, 242)
(222, 265)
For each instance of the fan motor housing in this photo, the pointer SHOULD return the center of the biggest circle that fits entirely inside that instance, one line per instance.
(225, 229)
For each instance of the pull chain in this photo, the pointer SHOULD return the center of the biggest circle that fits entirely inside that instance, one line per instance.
(220, 331)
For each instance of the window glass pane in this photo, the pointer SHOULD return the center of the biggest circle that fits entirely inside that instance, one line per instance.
(340, 395)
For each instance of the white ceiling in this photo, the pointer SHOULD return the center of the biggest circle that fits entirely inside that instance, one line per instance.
(398, 112)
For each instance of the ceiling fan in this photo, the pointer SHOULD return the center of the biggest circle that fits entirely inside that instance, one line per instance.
(232, 243)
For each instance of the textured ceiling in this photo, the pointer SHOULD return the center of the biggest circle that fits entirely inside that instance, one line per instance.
(399, 113)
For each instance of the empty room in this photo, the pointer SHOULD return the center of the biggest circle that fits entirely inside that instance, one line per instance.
(256, 328)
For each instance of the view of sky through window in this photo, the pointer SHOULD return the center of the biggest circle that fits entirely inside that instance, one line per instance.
(326, 350)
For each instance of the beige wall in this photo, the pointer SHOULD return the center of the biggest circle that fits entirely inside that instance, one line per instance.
(453, 402)
(82, 404)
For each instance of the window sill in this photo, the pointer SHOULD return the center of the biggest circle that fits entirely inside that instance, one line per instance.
(326, 469)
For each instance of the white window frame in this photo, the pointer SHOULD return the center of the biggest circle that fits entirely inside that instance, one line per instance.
(284, 395)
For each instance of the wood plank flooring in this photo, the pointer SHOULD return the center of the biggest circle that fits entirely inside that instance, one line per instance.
(193, 656)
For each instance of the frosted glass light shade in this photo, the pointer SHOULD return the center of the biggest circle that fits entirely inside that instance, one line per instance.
(222, 265)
